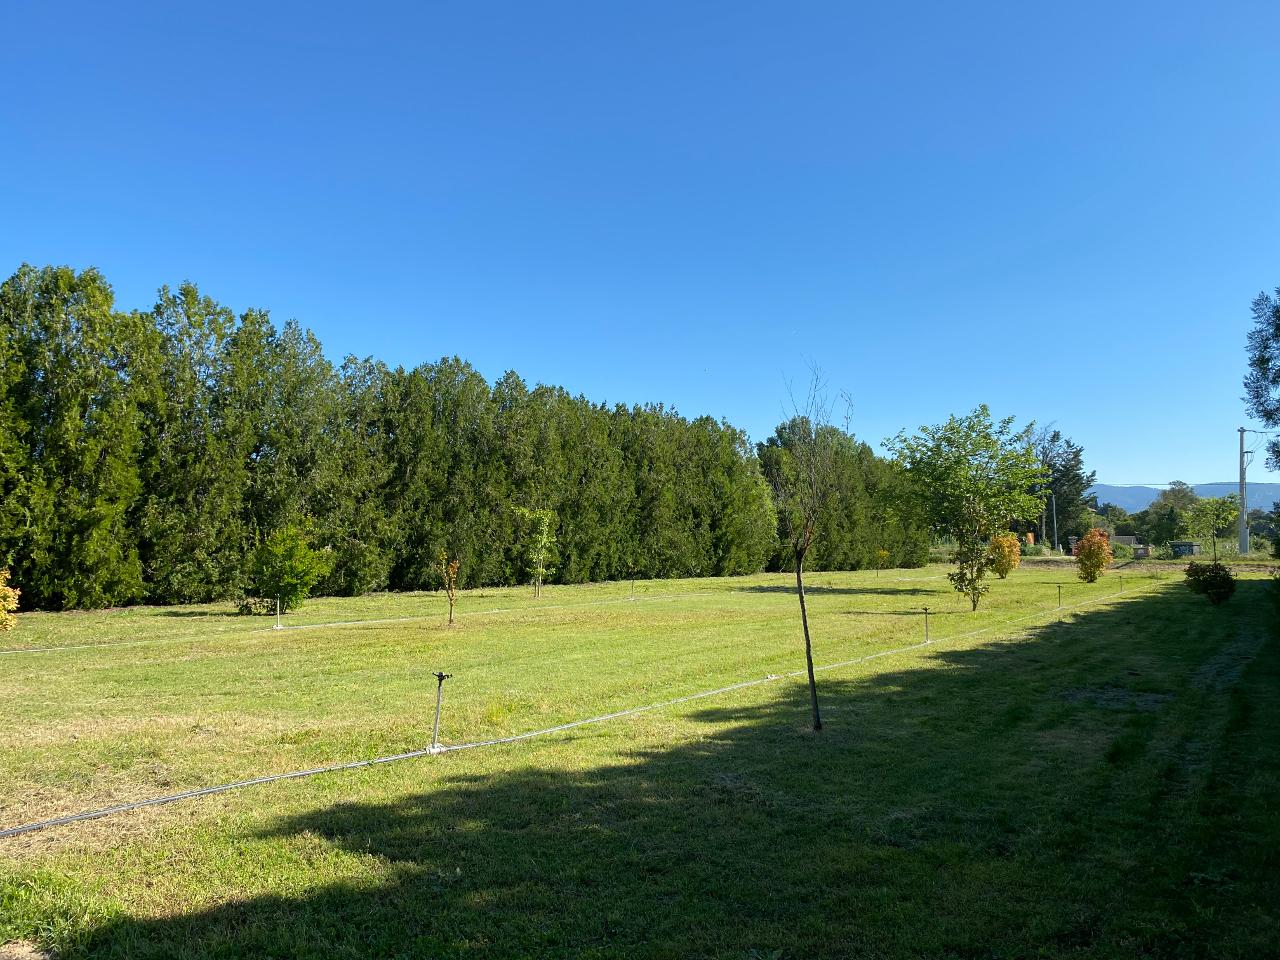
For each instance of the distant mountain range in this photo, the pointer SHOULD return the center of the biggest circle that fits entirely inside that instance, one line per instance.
(1261, 495)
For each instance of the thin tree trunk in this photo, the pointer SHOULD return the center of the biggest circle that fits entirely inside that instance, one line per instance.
(808, 647)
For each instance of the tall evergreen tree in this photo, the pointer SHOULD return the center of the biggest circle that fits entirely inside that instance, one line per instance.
(352, 483)
(1068, 481)
(189, 517)
(72, 390)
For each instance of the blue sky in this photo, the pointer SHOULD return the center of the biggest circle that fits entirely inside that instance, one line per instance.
(1061, 211)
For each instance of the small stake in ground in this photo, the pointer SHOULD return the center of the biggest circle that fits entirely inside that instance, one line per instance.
(1059, 596)
(926, 624)
(435, 731)
(278, 625)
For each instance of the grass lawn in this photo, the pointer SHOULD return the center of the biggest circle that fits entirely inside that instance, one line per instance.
(1096, 782)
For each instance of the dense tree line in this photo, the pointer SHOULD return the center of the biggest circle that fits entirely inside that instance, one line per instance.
(873, 506)
(144, 455)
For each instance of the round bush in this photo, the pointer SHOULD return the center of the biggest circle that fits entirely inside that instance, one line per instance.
(1213, 580)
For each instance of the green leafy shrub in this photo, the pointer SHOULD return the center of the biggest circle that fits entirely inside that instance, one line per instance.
(1213, 580)
(1093, 554)
(1122, 551)
(1033, 550)
(285, 566)
(539, 543)
(1004, 553)
(971, 562)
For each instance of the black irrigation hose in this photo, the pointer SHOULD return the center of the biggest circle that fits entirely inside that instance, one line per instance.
(413, 754)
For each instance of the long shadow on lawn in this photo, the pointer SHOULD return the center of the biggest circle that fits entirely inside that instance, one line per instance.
(851, 591)
(199, 614)
(975, 805)
(960, 611)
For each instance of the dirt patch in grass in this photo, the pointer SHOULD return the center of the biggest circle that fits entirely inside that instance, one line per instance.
(1117, 698)
(1224, 669)
(20, 950)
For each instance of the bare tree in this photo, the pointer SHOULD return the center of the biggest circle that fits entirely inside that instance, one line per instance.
(804, 488)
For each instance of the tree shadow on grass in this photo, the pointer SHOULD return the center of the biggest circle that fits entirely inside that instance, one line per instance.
(970, 806)
(198, 614)
(835, 591)
(917, 612)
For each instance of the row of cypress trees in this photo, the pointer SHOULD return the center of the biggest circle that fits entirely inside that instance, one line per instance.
(144, 455)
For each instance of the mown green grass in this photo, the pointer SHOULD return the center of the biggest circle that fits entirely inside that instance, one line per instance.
(1096, 783)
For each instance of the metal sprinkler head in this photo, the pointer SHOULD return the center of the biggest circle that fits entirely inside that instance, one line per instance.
(441, 677)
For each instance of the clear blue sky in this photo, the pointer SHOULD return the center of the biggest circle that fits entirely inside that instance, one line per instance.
(691, 202)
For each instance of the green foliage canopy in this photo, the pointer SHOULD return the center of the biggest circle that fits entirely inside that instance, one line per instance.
(975, 476)
(874, 506)
(1262, 383)
(540, 543)
(1066, 477)
(285, 566)
(1210, 515)
(145, 455)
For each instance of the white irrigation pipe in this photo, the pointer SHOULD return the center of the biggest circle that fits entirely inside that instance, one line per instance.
(255, 631)
(482, 613)
(413, 754)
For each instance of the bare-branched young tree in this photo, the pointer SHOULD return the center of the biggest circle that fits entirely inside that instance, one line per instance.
(805, 490)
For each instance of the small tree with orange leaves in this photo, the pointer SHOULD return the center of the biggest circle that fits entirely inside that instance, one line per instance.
(449, 573)
(1093, 555)
(8, 603)
(1005, 553)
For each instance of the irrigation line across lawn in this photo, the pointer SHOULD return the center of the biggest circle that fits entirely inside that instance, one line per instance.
(254, 631)
(482, 613)
(413, 754)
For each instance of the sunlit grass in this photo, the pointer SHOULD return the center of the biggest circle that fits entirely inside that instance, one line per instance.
(1031, 783)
